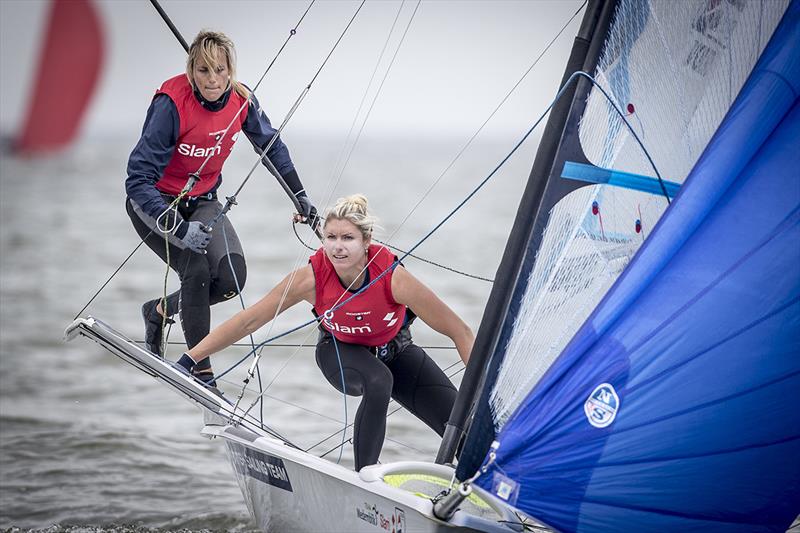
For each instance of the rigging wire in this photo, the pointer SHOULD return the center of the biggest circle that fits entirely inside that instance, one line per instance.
(418, 258)
(463, 148)
(332, 186)
(257, 357)
(572, 79)
(231, 200)
(96, 294)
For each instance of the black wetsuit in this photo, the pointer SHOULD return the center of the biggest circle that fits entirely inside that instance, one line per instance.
(406, 374)
(206, 279)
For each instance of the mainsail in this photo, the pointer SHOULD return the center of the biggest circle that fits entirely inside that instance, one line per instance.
(672, 407)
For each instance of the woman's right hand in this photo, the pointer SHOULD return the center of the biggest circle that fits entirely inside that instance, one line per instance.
(194, 236)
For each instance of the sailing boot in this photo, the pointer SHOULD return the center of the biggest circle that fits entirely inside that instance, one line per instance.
(201, 371)
(153, 329)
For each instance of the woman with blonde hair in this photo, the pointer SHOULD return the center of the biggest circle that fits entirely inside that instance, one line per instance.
(367, 336)
(190, 128)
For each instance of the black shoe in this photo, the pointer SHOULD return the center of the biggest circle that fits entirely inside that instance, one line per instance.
(153, 326)
(205, 376)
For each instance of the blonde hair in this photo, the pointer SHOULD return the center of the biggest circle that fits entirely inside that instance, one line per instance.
(207, 47)
(353, 209)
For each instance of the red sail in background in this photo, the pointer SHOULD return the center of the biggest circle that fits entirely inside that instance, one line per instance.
(67, 76)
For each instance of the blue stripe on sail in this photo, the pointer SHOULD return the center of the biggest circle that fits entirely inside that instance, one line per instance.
(699, 338)
(618, 178)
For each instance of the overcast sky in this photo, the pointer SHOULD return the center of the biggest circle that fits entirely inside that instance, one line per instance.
(456, 63)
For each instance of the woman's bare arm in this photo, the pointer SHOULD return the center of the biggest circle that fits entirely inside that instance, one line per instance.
(297, 286)
(408, 290)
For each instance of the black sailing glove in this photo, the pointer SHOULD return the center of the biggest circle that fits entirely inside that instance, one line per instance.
(308, 210)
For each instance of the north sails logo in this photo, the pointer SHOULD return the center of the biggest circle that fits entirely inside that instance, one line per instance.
(602, 405)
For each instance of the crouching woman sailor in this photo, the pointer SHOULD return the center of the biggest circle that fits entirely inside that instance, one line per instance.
(369, 334)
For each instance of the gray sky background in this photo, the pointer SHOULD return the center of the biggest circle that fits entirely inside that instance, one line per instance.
(456, 63)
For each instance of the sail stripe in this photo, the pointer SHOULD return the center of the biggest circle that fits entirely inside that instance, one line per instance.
(617, 178)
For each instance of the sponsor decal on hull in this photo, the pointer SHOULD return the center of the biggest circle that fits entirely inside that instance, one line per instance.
(394, 522)
(260, 466)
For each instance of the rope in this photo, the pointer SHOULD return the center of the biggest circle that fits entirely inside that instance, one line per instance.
(296, 345)
(399, 408)
(241, 301)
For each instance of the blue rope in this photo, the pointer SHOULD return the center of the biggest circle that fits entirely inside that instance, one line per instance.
(344, 398)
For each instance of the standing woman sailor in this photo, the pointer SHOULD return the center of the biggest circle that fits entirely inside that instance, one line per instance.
(369, 335)
(184, 131)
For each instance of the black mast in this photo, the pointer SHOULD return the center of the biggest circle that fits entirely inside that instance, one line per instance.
(545, 188)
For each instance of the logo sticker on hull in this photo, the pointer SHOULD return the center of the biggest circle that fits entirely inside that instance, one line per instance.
(260, 466)
(391, 523)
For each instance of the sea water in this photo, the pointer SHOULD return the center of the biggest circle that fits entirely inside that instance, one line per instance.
(89, 443)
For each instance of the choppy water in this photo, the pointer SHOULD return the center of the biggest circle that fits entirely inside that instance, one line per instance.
(88, 443)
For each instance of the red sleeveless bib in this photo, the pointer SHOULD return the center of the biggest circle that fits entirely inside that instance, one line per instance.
(372, 318)
(200, 129)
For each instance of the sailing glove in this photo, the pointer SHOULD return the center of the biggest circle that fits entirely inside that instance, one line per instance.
(308, 210)
(194, 235)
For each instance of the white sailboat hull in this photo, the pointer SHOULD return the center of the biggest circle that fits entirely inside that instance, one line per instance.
(287, 489)
(290, 490)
